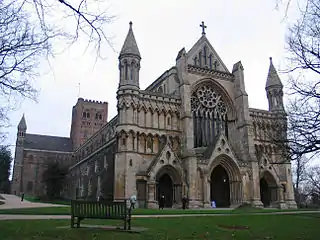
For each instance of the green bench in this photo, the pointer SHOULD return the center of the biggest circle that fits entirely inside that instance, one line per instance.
(81, 209)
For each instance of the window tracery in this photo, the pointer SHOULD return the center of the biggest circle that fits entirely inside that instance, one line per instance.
(209, 116)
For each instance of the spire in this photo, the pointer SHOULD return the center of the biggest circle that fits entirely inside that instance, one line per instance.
(22, 124)
(273, 79)
(130, 46)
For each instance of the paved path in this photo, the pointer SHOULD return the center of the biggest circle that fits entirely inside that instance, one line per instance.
(13, 201)
(35, 217)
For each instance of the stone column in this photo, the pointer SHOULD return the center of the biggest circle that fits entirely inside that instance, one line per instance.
(151, 201)
(206, 191)
(255, 185)
(281, 202)
(291, 203)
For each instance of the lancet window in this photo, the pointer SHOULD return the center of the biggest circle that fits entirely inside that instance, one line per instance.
(209, 116)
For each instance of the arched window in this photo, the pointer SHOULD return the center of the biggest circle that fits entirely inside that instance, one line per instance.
(210, 61)
(132, 72)
(126, 70)
(205, 55)
(160, 89)
(209, 116)
(200, 59)
(195, 61)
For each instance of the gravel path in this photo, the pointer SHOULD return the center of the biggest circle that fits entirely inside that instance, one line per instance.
(13, 201)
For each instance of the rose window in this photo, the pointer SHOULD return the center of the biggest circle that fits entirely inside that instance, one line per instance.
(207, 96)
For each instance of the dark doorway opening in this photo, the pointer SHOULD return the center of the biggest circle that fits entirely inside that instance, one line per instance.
(220, 187)
(165, 187)
(265, 193)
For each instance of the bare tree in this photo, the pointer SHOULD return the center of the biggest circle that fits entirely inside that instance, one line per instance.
(303, 43)
(28, 29)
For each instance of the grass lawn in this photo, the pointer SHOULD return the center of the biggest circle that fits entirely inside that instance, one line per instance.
(65, 210)
(300, 226)
(37, 199)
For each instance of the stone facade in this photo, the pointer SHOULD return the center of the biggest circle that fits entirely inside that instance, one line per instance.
(190, 133)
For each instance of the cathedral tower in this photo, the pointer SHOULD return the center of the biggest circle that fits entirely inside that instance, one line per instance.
(126, 156)
(17, 179)
(87, 118)
(274, 89)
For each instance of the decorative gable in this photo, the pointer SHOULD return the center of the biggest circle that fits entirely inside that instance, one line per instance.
(166, 157)
(265, 165)
(203, 55)
(222, 147)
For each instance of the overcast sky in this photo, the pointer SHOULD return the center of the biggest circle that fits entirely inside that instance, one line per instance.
(249, 30)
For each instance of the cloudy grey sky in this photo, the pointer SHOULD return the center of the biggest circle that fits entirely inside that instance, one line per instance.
(249, 30)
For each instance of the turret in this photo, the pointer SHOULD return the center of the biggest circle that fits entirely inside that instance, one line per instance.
(129, 62)
(274, 89)
(22, 129)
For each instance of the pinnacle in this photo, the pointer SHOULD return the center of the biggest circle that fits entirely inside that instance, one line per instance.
(130, 45)
(22, 123)
(273, 77)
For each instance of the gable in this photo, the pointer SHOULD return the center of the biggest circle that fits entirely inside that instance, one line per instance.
(166, 157)
(203, 55)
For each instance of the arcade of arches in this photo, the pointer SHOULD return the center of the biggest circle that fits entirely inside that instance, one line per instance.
(222, 185)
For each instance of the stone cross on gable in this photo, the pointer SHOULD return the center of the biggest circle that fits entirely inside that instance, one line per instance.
(203, 28)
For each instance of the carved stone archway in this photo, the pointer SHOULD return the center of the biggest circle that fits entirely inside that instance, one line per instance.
(227, 179)
(269, 189)
(169, 183)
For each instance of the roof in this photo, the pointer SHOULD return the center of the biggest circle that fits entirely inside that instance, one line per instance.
(22, 123)
(273, 77)
(49, 143)
(130, 45)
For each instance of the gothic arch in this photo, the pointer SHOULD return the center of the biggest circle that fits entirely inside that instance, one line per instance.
(270, 177)
(225, 182)
(229, 165)
(171, 171)
(211, 109)
(220, 90)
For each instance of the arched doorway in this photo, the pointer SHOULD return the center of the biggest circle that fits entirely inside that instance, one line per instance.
(268, 189)
(220, 187)
(165, 187)
(265, 193)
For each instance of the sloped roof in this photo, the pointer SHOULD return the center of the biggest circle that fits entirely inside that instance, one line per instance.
(49, 143)
(130, 45)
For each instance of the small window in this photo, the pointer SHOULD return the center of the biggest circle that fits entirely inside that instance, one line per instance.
(160, 89)
(130, 162)
(84, 114)
(97, 115)
(100, 116)
(123, 141)
(168, 121)
(88, 115)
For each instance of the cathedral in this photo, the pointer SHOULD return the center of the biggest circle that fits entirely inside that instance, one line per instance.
(190, 134)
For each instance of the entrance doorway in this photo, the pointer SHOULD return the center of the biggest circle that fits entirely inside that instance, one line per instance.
(165, 187)
(220, 187)
(265, 193)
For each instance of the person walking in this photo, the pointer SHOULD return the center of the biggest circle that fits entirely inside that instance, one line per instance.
(161, 201)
